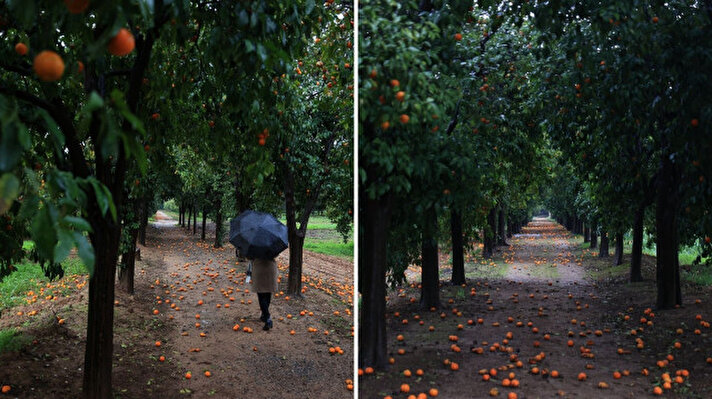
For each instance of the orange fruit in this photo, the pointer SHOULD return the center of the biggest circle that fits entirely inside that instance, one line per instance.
(407, 373)
(369, 370)
(655, 20)
(188, 375)
(404, 118)
(162, 359)
(400, 96)
(582, 376)
(395, 82)
(207, 373)
(554, 374)
(405, 388)
(694, 122)
(21, 48)
(80, 66)
(657, 391)
(458, 36)
(616, 375)
(122, 44)
(433, 392)
(76, 6)
(6, 388)
(48, 66)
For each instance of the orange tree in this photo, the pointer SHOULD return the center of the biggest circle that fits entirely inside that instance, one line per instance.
(77, 96)
(434, 137)
(622, 101)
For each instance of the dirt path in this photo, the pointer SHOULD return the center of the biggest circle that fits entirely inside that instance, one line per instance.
(201, 293)
(533, 315)
(185, 287)
(542, 253)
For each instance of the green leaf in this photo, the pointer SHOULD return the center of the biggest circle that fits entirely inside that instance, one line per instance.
(64, 245)
(85, 251)
(309, 7)
(25, 11)
(78, 223)
(103, 198)
(9, 190)
(94, 103)
(44, 234)
(11, 147)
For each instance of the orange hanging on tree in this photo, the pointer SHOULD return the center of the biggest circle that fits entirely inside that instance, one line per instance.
(76, 6)
(48, 66)
(122, 44)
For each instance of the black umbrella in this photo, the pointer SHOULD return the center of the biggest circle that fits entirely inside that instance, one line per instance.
(258, 235)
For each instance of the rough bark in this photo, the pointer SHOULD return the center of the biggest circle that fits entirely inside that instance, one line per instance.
(501, 223)
(195, 218)
(458, 256)
(636, 255)
(666, 220)
(143, 214)
(619, 249)
(594, 236)
(372, 281)
(218, 224)
(490, 231)
(603, 250)
(202, 231)
(586, 234)
(430, 281)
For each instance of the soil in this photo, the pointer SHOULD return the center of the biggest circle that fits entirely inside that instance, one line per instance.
(177, 270)
(549, 282)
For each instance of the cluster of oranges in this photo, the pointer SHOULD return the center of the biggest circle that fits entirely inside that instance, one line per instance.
(49, 66)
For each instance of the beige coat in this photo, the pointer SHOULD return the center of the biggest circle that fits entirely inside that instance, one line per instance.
(264, 275)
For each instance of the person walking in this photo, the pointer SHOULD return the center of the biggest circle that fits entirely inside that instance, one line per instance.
(264, 282)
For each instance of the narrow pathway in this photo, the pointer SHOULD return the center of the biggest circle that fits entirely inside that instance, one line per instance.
(543, 252)
(200, 291)
(531, 324)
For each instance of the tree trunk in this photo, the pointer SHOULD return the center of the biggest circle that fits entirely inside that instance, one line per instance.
(637, 252)
(190, 216)
(586, 234)
(373, 233)
(619, 249)
(218, 224)
(202, 231)
(501, 234)
(98, 357)
(490, 231)
(510, 227)
(458, 256)
(430, 280)
(128, 265)
(594, 236)
(296, 248)
(603, 250)
(180, 214)
(195, 218)
(666, 220)
(143, 212)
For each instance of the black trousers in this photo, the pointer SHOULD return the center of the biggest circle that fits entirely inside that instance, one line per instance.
(264, 298)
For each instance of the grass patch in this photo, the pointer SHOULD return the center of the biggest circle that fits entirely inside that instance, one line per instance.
(608, 271)
(330, 247)
(700, 274)
(28, 277)
(12, 340)
(480, 271)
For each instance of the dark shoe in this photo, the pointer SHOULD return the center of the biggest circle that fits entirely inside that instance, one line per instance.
(268, 325)
(263, 318)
